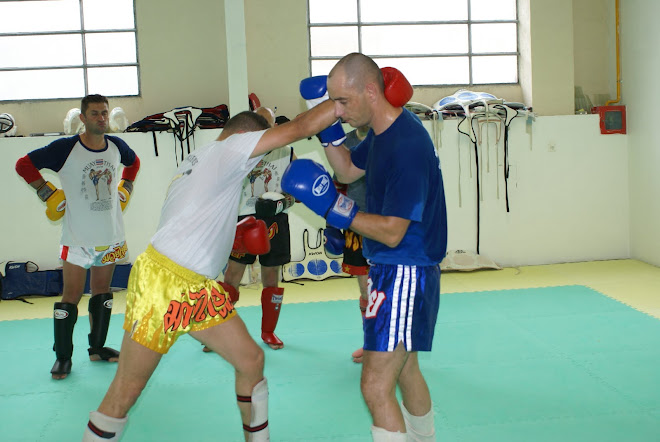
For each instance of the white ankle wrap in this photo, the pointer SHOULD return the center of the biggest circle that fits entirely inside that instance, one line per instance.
(382, 435)
(103, 428)
(420, 428)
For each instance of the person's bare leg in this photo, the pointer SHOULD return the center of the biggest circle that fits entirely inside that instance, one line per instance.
(234, 273)
(270, 276)
(233, 343)
(100, 278)
(134, 370)
(417, 406)
(414, 390)
(380, 372)
(364, 300)
(74, 278)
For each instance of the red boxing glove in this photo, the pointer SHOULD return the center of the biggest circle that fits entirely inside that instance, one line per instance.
(251, 237)
(232, 293)
(398, 90)
(341, 187)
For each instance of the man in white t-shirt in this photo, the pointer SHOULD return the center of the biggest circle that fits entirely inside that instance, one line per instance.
(90, 204)
(172, 288)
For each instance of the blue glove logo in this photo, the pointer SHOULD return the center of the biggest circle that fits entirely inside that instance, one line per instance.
(321, 185)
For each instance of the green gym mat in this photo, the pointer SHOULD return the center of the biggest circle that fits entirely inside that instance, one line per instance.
(545, 364)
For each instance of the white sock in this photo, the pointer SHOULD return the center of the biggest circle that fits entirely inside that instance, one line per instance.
(103, 428)
(419, 428)
(382, 435)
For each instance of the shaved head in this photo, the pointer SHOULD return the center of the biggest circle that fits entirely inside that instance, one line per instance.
(359, 71)
(245, 121)
(357, 88)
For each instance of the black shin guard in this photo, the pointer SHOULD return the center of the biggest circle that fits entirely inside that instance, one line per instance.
(100, 309)
(65, 316)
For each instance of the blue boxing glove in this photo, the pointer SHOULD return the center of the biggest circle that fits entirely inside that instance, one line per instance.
(310, 183)
(334, 241)
(315, 91)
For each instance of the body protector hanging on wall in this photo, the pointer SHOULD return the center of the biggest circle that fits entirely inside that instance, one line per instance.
(316, 264)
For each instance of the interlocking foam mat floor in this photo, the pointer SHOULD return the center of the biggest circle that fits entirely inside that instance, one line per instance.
(545, 364)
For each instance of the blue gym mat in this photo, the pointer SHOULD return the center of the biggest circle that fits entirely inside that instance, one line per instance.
(545, 364)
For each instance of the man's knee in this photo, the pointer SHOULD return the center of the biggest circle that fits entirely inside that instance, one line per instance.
(375, 389)
(252, 361)
(259, 358)
(270, 276)
(380, 373)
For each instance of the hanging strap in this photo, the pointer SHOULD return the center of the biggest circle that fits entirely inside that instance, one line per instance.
(510, 114)
(153, 134)
(476, 162)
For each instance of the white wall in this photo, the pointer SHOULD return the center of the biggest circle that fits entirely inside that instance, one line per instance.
(569, 204)
(566, 205)
(640, 56)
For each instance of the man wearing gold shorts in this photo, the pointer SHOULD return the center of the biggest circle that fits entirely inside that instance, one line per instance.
(172, 288)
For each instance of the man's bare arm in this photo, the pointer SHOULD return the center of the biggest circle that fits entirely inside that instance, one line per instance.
(388, 230)
(303, 126)
(339, 158)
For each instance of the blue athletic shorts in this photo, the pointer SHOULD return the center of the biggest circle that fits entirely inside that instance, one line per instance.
(403, 307)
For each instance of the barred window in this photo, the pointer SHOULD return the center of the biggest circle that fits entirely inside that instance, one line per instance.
(67, 49)
(434, 42)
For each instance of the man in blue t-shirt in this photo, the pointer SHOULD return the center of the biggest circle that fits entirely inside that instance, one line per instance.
(404, 229)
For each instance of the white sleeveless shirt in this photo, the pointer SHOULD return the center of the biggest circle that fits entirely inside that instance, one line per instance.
(198, 219)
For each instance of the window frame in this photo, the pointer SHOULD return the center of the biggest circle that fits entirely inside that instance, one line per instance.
(469, 22)
(84, 66)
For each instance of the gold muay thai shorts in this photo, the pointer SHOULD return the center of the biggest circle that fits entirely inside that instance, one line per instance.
(165, 301)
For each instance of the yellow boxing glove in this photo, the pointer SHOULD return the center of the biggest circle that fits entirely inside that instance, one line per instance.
(125, 188)
(54, 199)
